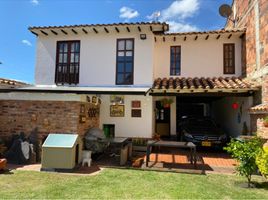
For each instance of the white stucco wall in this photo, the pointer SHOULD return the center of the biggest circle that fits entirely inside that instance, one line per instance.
(199, 58)
(227, 117)
(128, 126)
(97, 58)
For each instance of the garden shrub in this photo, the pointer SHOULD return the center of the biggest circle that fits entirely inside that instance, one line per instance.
(262, 162)
(245, 152)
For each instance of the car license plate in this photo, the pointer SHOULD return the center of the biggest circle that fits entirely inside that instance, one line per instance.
(206, 144)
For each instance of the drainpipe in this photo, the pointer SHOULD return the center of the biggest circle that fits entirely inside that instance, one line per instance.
(257, 34)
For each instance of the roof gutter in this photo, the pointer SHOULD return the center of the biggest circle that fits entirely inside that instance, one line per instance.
(21, 90)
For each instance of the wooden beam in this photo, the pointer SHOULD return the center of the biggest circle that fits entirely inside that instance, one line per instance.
(218, 37)
(95, 30)
(207, 37)
(185, 38)
(151, 28)
(64, 32)
(128, 30)
(34, 33)
(242, 35)
(74, 31)
(45, 33)
(174, 39)
(54, 32)
(106, 30)
(196, 37)
(84, 30)
(229, 36)
(117, 30)
(139, 28)
(164, 39)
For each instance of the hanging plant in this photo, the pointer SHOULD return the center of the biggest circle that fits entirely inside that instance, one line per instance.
(165, 102)
(265, 122)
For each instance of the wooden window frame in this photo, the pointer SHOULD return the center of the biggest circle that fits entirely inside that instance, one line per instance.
(68, 79)
(171, 69)
(117, 50)
(226, 68)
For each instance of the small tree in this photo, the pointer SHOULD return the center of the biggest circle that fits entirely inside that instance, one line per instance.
(245, 152)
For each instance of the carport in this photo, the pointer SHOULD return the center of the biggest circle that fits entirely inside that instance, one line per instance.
(226, 100)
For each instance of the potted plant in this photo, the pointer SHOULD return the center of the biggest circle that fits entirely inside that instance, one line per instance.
(265, 122)
(165, 102)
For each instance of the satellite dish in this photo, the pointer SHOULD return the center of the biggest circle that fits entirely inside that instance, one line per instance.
(225, 10)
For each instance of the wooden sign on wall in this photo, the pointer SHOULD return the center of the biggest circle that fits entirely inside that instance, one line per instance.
(136, 104)
(117, 110)
(136, 113)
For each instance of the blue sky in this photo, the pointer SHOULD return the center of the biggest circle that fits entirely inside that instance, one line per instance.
(17, 44)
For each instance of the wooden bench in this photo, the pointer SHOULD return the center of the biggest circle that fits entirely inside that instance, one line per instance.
(184, 145)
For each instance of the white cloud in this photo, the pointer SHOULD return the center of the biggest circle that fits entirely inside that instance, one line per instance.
(180, 9)
(154, 15)
(128, 13)
(181, 27)
(26, 42)
(176, 14)
(35, 2)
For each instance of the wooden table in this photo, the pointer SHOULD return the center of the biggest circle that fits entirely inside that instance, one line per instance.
(183, 145)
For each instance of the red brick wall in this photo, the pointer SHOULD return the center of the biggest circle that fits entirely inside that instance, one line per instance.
(265, 89)
(246, 18)
(263, 32)
(48, 116)
(248, 21)
(257, 124)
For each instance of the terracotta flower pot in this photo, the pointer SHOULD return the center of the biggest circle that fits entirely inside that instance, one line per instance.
(166, 105)
(265, 123)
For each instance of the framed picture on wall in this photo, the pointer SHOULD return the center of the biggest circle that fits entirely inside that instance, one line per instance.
(117, 111)
(135, 104)
(117, 99)
(136, 113)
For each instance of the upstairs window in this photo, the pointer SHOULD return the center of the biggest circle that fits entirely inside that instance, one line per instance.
(175, 60)
(124, 61)
(67, 62)
(229, 58)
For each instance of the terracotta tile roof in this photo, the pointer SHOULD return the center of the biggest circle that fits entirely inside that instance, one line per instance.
(96, 25)
(260, 108)
(7, 83)
(206, 32)
(220, 83)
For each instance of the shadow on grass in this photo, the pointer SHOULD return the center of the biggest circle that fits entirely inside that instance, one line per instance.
(263, 185)
(6, 172)
(253, 185)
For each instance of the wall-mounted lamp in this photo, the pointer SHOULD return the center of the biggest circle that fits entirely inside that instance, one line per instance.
(143, 36)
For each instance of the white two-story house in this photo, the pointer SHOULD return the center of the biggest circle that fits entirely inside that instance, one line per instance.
(133, 69)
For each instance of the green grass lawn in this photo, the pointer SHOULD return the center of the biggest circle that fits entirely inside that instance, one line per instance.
(116, 183)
